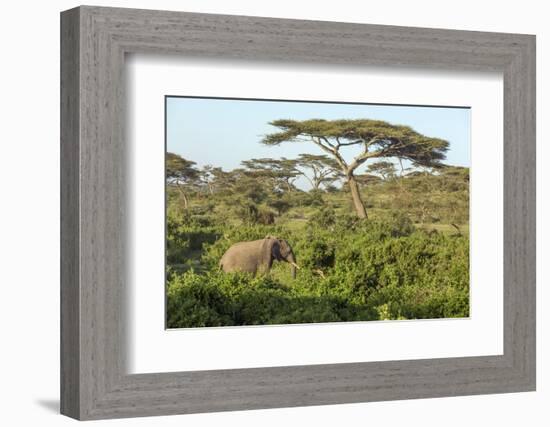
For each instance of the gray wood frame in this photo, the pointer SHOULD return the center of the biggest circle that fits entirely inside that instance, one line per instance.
(94, 383)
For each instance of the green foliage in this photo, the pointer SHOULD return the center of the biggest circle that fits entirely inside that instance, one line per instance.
(366, 270)
(378, 140)
(324, 217)
(186, 235)
(250, 213)
(409, 260)
(383, 168)
(385, 139)
(218, 299)
(280, 204)
(179, 168)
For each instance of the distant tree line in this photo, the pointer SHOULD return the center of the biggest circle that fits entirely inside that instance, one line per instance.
(376, 140)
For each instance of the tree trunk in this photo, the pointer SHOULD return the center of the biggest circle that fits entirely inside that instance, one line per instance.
(288, 186)
(356, 196)
(316, 184)
(184, 196)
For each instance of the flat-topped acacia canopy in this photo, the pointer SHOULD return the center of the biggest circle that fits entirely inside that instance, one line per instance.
(379, 139)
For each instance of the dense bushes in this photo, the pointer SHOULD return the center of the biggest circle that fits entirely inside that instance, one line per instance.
(351, 270)
(395, 265)
(218, 299)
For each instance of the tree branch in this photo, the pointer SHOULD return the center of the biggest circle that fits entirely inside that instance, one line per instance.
(309, 179)
(360, 159)
(333, 151)
(324, 138)
(345, 144)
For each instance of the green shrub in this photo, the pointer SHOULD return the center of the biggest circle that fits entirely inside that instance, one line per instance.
(218, 299)
(378, 269)
(324, 217)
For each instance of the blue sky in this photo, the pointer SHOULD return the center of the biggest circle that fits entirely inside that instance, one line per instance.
(224, 132)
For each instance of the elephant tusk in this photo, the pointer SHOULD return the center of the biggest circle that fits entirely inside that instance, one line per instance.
(295, 265)
(320, 273)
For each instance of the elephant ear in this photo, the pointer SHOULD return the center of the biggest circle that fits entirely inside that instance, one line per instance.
(268, 251)
(275, 249)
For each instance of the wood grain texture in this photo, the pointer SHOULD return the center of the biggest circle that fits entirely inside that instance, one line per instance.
(94, 272)
(70, 258)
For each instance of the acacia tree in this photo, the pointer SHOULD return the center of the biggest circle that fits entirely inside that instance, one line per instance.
(241, 183)
(376, 138)
(384, 169)
(368, 179)
(280, 173)
(323, 169)
(181, 173)
(211, 177)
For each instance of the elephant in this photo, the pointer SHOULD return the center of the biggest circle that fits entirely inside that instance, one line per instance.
(257, 256)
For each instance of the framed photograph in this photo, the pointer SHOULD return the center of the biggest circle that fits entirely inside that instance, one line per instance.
(299, 181)
(262, 213)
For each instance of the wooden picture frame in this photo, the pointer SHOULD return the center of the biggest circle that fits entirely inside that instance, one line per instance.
(94, 382)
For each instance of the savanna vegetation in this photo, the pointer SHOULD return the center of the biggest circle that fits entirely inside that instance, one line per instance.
(380, 232)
